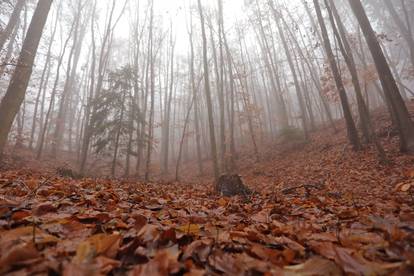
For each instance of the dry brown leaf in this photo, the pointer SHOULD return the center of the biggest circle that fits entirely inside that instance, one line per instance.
(164, 263)
(18, 254)
(191, 229)
(313, 267)
(25, 234)
(100, 244)
(405, 187)
(198, 250)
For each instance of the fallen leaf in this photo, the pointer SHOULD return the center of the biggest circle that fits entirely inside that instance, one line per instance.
(164, 263)
(222, 202)
(100, 244)
(44, 208)
(405, 187)
(17, 254)
(25, 234)
(198, 250)
(226, 263)
(148, 233)
(191, 229)
(313, 267)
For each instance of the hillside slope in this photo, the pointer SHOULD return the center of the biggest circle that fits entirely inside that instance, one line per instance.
(320, 209)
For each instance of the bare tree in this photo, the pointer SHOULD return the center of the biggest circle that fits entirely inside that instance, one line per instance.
(213, 145)
(352, 131)
(13, 22)
(403, 120)
(15, 94)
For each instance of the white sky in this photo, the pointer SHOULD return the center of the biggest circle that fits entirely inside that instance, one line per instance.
(177, 11)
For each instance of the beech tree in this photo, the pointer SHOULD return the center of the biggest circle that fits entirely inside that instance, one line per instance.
(398, 108)
(13, 23)
(208, 96)
(352, 131)
(116, 90)
(15, 93)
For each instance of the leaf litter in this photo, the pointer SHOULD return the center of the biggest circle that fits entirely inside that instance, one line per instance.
(314, 215)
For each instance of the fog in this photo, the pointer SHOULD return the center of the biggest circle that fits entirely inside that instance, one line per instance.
(149, 88)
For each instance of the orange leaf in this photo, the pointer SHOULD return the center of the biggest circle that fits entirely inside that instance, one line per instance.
(192, 229)
(100, 244)
(17, 254)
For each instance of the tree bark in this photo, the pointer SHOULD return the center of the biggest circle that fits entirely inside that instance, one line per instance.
(45, 127)
(150, 142)
(16, 91)
(196, 102)
(405, 31)
(299, 93)
(13, 23)
(403, 120)
(350, 124)
(213, 144)
(345, 48)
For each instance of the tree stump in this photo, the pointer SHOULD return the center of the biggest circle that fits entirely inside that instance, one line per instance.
(232, 185)
(67, 173)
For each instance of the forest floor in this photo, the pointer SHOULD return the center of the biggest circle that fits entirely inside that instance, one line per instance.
(320, 209)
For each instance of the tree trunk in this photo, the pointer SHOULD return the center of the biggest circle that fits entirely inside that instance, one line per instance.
(208, 97)
(304, 117)
(152, 92)
(118, 135)
(180, 150)
(9, 53)
(166, 124)
(73, 62)
(42, 84)
(45, 127)
(345, 48)
(16, 91)
(195, 98)
(405, 31)
(350, 124)
(12, 24)
(403, 120)
(313, 73)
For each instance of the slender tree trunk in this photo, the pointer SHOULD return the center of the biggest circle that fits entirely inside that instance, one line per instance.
(208, 97)
(45, 127)
(180, 150)
(118, 135)
(350, 124)
(247, 103)
(13, 23)
(43, 83)
(10, 49)
(59, 127)
(152, 92)
(313, 73)
(405, 31)
(233, 153)
(403, 120)
(223, 147)
(273, 75)
(299, 93)
(345, 48)
(70, 80)
(167, 123)
(196, 104)
(141, 142)
(16, 91)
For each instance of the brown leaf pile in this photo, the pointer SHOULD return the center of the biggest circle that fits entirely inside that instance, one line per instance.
(320, 210)
(95, 227)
